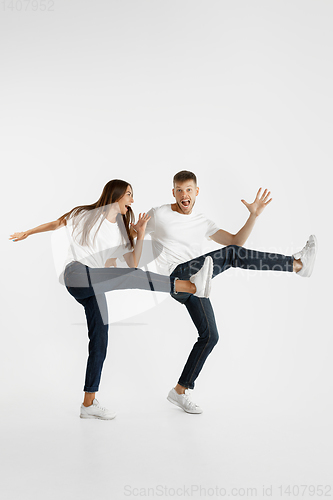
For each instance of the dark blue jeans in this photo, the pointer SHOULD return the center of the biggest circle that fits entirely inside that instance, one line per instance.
(200, 309)
(88, 286)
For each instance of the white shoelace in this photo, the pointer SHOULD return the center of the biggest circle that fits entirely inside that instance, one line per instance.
(99, 406)
(300, 254)
(191, 404)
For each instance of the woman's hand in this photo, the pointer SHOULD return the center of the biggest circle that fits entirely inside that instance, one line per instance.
(140, 226)
(259, 204)
(19, 236)
(111, 263)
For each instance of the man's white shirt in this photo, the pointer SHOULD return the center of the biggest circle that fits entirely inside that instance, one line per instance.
(177, 238)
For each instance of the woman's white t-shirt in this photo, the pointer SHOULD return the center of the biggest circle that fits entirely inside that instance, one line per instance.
(109, 243)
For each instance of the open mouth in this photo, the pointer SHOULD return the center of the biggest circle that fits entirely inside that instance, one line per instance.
(185, 203)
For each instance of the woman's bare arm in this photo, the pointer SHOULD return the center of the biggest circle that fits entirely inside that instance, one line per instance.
(130, 259)
(49, 226)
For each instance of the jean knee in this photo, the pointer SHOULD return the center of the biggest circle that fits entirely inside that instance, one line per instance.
(233, 248)
(214, 338)
(100, 343)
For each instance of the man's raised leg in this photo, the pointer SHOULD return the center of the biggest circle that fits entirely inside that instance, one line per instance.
(202, 313)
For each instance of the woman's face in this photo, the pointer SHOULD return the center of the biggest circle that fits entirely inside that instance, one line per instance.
(126, 200)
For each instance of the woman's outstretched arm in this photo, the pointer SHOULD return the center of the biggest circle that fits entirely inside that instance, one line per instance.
(49, 226)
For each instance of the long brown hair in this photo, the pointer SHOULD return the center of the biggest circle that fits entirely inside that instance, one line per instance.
(112, 192)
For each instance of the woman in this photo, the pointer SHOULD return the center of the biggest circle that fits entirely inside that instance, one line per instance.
(101, 233)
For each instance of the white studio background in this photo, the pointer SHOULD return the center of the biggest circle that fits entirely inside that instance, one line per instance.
(241, 94)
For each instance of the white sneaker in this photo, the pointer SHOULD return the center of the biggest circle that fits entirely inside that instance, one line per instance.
(202, 279)
(96, 411)
(307, 256)
(183, 401)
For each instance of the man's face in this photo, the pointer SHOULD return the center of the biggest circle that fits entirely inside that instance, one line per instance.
(185, 194)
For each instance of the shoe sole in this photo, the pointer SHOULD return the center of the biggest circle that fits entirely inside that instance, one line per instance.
(179, 406)
(99, 418)
(315, 254)
(210, 273)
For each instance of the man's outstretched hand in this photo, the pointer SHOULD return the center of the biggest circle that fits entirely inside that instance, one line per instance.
(259, 203)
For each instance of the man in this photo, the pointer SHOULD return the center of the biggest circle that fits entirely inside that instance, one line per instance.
(178, 233)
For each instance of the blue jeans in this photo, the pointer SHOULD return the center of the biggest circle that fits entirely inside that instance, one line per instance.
(88, 286)
(200, 309)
